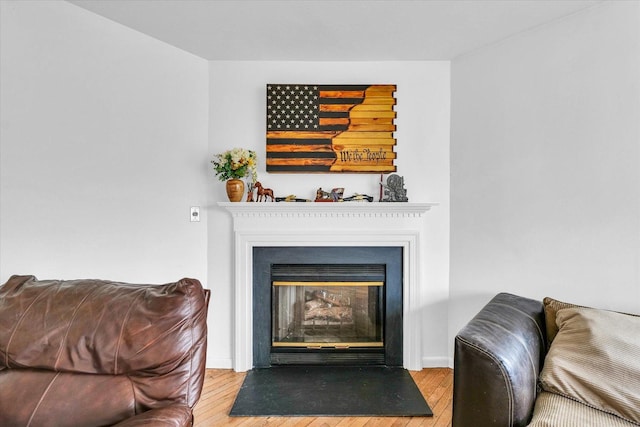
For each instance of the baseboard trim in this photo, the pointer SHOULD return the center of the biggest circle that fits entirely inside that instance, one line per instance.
(436, 362)
(219, 363)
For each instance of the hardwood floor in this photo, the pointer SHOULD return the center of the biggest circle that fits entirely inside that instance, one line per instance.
(222, 385)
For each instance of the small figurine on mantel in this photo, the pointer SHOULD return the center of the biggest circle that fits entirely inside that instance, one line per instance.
(335, 195)
(394, 190)
(250, 192)
(358, 198)
(263, 193)
(291, 198)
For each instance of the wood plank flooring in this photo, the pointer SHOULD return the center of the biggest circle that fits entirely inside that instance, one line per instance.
(222, 385)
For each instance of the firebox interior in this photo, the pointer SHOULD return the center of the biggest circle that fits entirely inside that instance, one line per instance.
(327, 314)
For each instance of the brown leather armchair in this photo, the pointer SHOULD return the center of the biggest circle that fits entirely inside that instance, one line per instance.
(98, 353)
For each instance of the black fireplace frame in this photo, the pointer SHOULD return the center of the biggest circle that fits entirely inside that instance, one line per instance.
(391, 257)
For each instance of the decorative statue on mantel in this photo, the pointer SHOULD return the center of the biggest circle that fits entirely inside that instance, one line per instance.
(250, 192)
(394, 190)
(335, 195)
(263, 193)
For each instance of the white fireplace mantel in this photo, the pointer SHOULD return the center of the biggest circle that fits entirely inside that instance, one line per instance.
(328, 224)
(344, 209)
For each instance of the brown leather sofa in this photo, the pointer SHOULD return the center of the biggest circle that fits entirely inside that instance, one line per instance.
(498, 356)
(99, 353)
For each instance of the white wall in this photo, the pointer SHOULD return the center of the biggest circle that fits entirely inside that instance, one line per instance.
(545, 155)
(103, 149)
(237, 118)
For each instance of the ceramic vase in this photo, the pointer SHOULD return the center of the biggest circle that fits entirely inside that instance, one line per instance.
(235, 190)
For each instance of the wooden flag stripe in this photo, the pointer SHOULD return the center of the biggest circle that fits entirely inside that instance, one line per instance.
(372, 114)
(299, 168)
(301, 135)
(333, 114)
(364, 169)
(364, 135)
(344, 87)
(334, 121)
(339, 100)
(372, 107)
(299, 148)
(373, 92)
(378, 90)
(336, 107)
(379, 100)
(342, 94)
(301, 154)
(371, 120)
(368, 137)
(371, 124)
(299, 161)
(372, 127)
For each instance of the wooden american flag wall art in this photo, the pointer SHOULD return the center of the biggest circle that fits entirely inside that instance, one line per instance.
(330, 128)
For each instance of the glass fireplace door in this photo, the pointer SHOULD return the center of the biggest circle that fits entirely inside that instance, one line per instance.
(327, 314)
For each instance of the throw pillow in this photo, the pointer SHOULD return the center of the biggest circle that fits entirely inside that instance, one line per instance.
(595, 359)
(551, 307)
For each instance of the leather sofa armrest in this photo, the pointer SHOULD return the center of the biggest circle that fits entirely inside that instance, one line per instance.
(176, 415)
(498, 356)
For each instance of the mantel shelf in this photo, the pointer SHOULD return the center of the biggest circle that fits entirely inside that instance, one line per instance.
(358, 209)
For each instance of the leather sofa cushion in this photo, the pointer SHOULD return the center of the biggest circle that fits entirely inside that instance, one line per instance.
(595, 359)
(46, 398)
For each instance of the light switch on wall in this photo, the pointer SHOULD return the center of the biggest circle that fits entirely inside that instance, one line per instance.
(195, 214)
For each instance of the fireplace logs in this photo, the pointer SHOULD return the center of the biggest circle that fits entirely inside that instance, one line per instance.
(327, 306)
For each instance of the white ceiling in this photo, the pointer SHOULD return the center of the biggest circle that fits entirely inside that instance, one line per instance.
(332, 30)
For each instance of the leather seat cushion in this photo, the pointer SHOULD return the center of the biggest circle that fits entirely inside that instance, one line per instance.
(47, 398)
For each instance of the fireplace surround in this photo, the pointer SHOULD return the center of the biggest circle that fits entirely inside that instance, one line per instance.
(327, 306)
(400, 225)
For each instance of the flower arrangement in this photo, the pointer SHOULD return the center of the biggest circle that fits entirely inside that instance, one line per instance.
(236, 163)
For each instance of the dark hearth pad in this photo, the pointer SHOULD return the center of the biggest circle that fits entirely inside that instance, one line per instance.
(329, 391)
